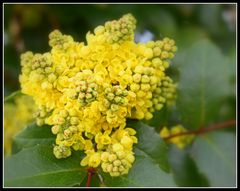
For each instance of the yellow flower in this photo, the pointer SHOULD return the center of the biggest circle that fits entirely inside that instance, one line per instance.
(127, 142)
(16, 116)
(102, 139)
(164, 132)
(92, 159)
(86, 91)
(180, 141)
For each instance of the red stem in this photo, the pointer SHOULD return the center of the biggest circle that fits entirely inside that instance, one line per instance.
(200, 131)
(91, 172)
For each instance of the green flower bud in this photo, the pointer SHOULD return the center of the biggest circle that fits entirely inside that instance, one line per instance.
(117, 99)
(110, 96)
(104, 166)
(161, 99)
(157, 62)
(145, 87)
(40, 122)
(48, 70)
(114, 107)
(117, 147)
(52, 77)
(134, 87)
(148, 116)
(158, 90)
(81, 95)
(112, 157)
(148, 53)
(130, 158)
(99, 30)
(166, 64)
(115, 169)
(155, 100)
(121, 168)
(106, 103)
(61, 151)
(42, 113)
(153, 80)
(139, 70)
(109, 168)
(120, 154)
(156, 51)
(63, 113)
(72, 112)
(67, 133)
(164, 55)
(88, 95)
(159, 43)
(150, 44)
(74, 120)
(46, 85)
(174, 48)
(73, 129)
(117, 163)
(119, 92)
(124, 92)
(145, 79)
(125, 163)
(158, 106)
(104, 156)
(55, 129)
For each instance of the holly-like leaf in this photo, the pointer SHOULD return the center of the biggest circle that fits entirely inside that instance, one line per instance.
(151, 164)
(37, 167)
(151, 144)
(203, 84)
(185, 170)
(160, 118)
(31, 136)
(215, 156)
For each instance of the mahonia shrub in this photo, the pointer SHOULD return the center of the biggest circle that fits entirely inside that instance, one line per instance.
(23, 109)
(86, 92)
(180, 141)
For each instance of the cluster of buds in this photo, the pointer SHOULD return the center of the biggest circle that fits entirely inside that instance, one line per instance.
(168, 90)
(180, 141)
(162, 49)
(57, 40)
(61, 151)
(115, 96)
(65, 126)
(87, 91)
(117, 160)
(121, 30)
(17, 115)
(41, 114)
(164, 93)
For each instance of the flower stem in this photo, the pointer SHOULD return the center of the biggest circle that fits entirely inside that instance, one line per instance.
(91, 172)
(225, 124)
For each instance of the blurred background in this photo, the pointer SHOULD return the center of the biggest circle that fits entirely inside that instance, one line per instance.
(26, 27)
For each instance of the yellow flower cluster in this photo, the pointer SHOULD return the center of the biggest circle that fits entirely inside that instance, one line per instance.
(16, 116)
(87, 91)
(180, 141)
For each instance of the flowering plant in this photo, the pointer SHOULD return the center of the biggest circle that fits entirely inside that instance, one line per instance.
(86, 92)
(92, 102)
